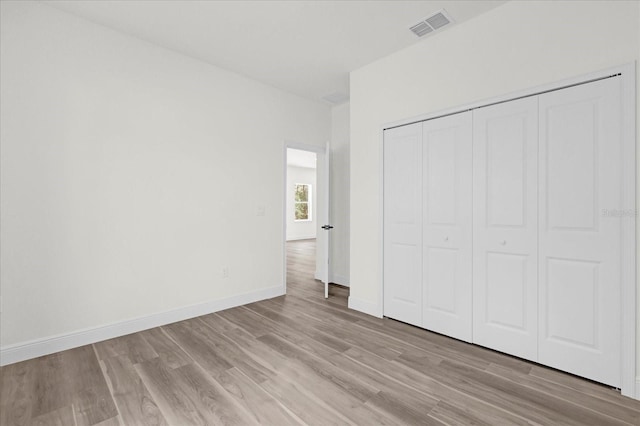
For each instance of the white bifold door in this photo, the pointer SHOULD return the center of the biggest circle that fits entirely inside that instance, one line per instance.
(502, 227)
(505, 227)
(403, 223)
(580, 181)
(427, 225)
(446, 218)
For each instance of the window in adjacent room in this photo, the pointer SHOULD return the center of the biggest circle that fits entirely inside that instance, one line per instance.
(302, 203)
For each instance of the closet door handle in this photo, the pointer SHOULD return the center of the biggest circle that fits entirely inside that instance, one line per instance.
(503, 242)
(446, 238)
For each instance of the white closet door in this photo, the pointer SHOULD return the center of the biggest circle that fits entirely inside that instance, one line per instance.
(505, 227)
(580, 181)
(446, 259)
(403, 223)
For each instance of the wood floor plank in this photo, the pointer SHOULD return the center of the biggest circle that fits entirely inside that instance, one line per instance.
(430, 381)
(473, 412)
(134, 346)
(598, 405)
(272, 360)
(313, 378)
(195, 339)
(249, 395)
(309, 408)
(337, 388)
(134, 403)
(423, 343)
(51, 387)
(113, 421)
(287, 304)
(210, 398)
(17, 393)
(275, 314)
(502, 393)
(584, 387)
(349, 336)
(308, 305)
(218, 323)
(323, 369)
(391, 406)
(60, 417)
(252, 367)
(248, 320)
(228, 352)
(402, 399)
(174, 402)
(169, 352)
(91, 397)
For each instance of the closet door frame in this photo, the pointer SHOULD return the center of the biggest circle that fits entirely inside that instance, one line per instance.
(627, 73)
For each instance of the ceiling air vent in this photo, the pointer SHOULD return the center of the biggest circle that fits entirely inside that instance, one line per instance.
(421, 29)
(431, 23)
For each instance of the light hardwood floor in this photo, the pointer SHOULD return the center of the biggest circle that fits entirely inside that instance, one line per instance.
(294, 360)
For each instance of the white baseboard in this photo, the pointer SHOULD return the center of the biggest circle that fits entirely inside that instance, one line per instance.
(637, 393)
(366, 307)
(22, 351)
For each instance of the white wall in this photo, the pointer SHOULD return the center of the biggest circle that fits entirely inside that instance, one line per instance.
(519, 45)
(307, 229)
(340, 194)
(131, 175)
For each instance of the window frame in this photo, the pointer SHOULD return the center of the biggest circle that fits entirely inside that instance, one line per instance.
(308, 202)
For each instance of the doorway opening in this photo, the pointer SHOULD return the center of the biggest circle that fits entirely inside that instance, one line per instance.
(306, 212)
(301, 217)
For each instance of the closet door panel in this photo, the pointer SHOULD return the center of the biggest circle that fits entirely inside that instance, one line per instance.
(505, 227)
(403, 223)
(580, 181)
(506, 292)
(441, 273)
(446, 250)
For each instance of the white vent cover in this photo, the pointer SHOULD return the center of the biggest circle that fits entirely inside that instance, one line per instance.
(431, 23)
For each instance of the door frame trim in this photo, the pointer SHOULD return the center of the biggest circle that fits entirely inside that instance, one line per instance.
(319, 150)
(629, 250)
